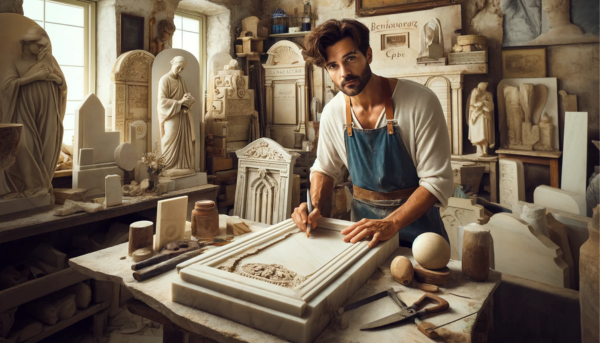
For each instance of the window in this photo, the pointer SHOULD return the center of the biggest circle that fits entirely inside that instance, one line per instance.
(187, 34)
(67, 22)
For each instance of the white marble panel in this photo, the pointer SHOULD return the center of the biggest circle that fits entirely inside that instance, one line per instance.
(284, 103)
(90, 132)
(299, 313)
(512, 182)
(114, 194)
(574, 163)
(521, 251)
(559, 199)
(170, 221)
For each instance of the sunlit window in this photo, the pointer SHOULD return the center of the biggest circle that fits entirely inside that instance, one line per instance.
(66, 22)
(187, 34)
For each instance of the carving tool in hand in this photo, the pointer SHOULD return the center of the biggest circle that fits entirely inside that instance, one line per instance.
(309, 209)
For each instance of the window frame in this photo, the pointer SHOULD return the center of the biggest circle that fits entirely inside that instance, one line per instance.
(202, 54)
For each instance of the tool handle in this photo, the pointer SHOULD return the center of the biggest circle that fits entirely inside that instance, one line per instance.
(441, 304)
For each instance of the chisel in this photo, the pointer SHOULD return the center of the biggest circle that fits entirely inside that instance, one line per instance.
(310, 209)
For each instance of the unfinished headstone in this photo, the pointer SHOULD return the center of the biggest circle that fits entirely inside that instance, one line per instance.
(170, 221)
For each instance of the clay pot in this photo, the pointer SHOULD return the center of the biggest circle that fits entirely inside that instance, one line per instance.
(205, 219)
(589, 287)
(10, 139)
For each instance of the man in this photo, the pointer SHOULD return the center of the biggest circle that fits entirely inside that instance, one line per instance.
(392, 136)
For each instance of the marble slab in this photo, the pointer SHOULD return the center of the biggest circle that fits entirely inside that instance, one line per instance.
(574, 163)
(170, 221)
(325, 272)
(560, 199)
(521, 251)
(512, 182)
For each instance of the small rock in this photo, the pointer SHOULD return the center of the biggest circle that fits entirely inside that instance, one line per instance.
(144, 184)
(122, 258)
(134, 183)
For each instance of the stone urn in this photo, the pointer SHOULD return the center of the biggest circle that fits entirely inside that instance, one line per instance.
(589, 288)
(10, 139)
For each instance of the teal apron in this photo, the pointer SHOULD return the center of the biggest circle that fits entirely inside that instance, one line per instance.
(381, 167)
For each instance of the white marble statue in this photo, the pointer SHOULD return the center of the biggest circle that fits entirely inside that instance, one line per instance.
(432, 41)
(481, 119)
(33, 93)
(176, 123)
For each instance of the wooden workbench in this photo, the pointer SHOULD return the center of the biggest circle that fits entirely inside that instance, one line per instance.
(154, 302)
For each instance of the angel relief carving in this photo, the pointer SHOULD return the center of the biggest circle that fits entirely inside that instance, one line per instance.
(263, 151)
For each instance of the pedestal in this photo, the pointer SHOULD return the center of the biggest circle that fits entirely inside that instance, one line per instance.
(187, 181)
(490, 163)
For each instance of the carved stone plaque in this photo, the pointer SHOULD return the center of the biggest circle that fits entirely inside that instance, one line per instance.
(284, 103)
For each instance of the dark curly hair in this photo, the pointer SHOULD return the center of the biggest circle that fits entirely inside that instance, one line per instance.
(331, 32)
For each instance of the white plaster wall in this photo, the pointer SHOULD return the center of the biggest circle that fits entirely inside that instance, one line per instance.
(218, 34)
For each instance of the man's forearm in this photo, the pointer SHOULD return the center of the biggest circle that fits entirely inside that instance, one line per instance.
(321, 186)
(416, 206)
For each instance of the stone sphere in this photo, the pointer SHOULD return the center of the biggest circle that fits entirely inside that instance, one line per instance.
(402, 270)
(431, 250)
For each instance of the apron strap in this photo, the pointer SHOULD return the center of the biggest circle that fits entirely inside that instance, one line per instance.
(389, 108)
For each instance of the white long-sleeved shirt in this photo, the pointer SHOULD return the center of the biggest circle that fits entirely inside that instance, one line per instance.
(423, 129)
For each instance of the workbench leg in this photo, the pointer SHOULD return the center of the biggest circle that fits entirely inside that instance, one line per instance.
(114, 301)
(482, 325)
(100, 323)
(554, 173)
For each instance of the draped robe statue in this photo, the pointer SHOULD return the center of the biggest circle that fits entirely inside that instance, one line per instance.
(481, 119)
(33, 93)
(176, 122)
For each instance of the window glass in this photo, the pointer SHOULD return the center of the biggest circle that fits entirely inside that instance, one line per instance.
(191, 25)
(65, 23)
(64, 14)
(187, 35)
(191, 43)
(34, 9)
(67, 44)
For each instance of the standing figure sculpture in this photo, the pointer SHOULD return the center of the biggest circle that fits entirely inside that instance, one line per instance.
(176, 122)
(481, 119)
(33, 93)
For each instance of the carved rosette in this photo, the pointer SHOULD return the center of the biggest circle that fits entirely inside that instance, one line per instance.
(272, 273)
(240, 84)
(263, 151)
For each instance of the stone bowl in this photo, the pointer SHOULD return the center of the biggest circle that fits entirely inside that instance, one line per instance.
(10, 139)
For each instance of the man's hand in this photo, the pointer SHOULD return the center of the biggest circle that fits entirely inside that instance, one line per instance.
(381, 230)
(300, 217)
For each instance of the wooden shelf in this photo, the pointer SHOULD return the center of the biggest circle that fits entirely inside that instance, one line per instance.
(290, 35)
(34, 289)
(52, 329)
(47, 221)
(63, 173)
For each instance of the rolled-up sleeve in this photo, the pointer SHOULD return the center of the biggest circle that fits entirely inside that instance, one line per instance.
(328, 159)
(432, 150)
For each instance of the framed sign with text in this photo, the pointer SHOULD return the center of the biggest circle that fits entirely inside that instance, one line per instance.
(368, 8)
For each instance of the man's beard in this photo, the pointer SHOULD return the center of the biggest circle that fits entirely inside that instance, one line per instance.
(361, 83)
